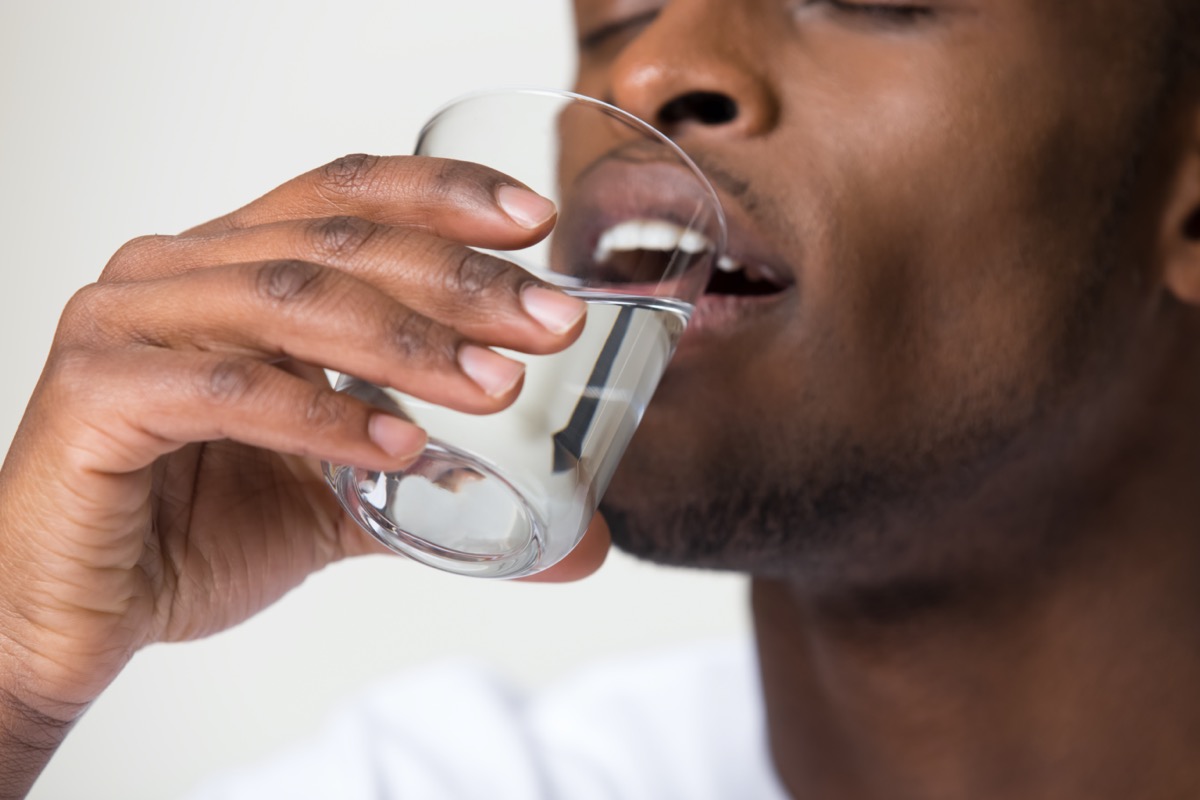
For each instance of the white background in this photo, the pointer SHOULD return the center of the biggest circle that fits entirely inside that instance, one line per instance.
(127, 117)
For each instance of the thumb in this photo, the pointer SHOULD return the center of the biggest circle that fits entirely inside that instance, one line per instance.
(586, 558)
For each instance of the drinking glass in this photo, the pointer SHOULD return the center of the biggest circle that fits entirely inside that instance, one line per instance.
(639, 229)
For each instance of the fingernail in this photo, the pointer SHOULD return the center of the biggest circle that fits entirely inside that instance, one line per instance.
(494, 373)
(555, 311)
(526, 208)
(394, 436)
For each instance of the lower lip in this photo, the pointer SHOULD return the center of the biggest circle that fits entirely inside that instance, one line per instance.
(719, 315)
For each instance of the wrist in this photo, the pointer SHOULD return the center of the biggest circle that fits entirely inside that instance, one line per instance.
(56, 653)
(45, 687)
(31, 726)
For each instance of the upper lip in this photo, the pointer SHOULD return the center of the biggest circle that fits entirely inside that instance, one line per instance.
(748, 247)
(614, 190)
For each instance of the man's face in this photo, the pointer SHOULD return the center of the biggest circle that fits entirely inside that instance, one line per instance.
(942, 193)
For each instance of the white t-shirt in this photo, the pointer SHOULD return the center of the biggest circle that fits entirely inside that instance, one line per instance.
(686, 724)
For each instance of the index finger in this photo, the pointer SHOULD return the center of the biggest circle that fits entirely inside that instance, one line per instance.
(457, 200)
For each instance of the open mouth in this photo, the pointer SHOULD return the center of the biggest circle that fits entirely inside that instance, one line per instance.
(642, 248)
(640, 226)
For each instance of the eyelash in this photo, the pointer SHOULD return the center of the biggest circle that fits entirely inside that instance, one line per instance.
(883, 12)
(890, 13)
(604, 33)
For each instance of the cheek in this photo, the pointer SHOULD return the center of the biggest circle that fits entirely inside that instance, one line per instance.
(943, 243)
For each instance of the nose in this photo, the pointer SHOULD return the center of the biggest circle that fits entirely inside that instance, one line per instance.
(688, 73)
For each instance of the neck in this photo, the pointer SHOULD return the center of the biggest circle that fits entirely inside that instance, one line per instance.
(1072, 681)
(1067, 672)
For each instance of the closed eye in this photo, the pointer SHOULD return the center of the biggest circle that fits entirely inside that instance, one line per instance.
(884, 12)
(605, 33)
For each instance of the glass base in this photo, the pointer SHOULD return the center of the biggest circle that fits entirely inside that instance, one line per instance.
(449, 510)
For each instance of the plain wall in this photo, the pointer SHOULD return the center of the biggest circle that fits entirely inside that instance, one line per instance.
(127, 117)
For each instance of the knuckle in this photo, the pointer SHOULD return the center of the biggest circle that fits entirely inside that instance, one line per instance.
(476, 274)
(350, 175)
(324, 410)
(416, 338)
(448, 181)
(227, 381)
(79, 321)
(132, 257)
(448, 173)
(85, 300)
(70, 370)
(103, 313)
(287, 280)
(341, 237)
(468, 176)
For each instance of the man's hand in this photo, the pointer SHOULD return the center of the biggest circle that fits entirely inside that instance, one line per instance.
(164, 483)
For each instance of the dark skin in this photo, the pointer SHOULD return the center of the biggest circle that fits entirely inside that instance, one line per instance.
(165, 482)
(956, 450)
(975, 554)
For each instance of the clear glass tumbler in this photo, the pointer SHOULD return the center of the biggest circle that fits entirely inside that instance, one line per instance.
(639, 229)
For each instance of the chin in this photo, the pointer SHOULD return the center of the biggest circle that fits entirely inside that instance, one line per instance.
(859, 520)
(719, 534)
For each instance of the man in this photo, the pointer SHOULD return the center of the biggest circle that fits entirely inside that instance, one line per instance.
(955, 443)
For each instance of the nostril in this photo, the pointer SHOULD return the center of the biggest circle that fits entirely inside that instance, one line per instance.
(707, 108)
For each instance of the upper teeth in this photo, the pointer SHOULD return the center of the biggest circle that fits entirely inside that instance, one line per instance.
(655, 234)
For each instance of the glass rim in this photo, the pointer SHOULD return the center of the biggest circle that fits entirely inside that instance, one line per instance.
(607, 108)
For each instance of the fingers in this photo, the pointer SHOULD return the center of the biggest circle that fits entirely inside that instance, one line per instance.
(483, 297)
(349, 267)
(587, 557)
(456, 200)
(301, 311)
(119, 410)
